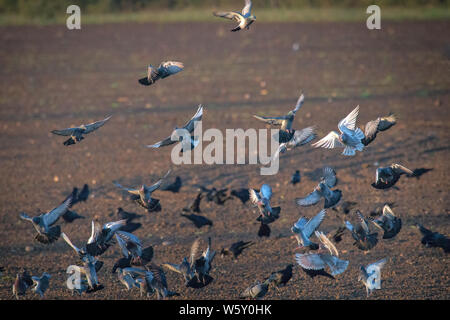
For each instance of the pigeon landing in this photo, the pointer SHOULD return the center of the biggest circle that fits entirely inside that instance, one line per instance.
(132, 249)
(323, 189)
(349, 138)
(364, 239)
(304, 228)
(164, 70)
(46, 232)
(262, 201)
(186, 267)
(76, 133)
(389, 223)
(386, 177)
(143, 197)
(245, 18)
(371, 276)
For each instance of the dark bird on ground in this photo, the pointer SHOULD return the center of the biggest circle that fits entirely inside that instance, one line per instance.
(304, 228)
(434, 239)
(281, 277)
(244, 18)
(179, 134)
(256, 291)
(264, 230)
(164, 70)
(373, 127)
(322, 259)
(197, 220)
(364, 239)
(142, 196)
(21, 284)
(323, 189)
(345, 206)
(295, 177)
(217, 196)
(174, 186)
(41, 283)
(236, 248)
(125, 215)
(44, 223)
(242, 194)
(132, 248)
(195, 206)
(76, 133)
(389, 223)
(386, 177)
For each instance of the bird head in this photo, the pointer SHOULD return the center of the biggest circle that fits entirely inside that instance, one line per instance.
(36, 220)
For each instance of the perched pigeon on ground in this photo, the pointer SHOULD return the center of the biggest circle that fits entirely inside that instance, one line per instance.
(295, 177)
(173, 187)
(197, 220)
(262, 201)
(189, 126)
(132, 248)
(281, 277)
(195, 206)
(386, 177)
(434, 239)
(256, 291)
(364, 239)
(322, 259)
(164, 70)
(373, 127)
(21, 284)
(323, 189)
(349, 139)
(143, 196)
(236, 248)
(304, 228)
(389, 223)
(245, 18)
(47, 233)
(371, 276)
(41, 283)
(76, 133)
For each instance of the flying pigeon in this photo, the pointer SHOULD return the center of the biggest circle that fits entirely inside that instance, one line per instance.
(434, 239)
(142, 196)
(132, 248)
(349, 138)
(244, 18)
(322, 259)
(373, 127)
(364, 239)
(21, 284)
(41, 283)
(153, 279)
(46, 232)
(76, 133)
(389, 223)
(126, 278)
(386, 177)
(323, 189)
(304, 228)
(189, 126)
(236, 248)
(261, 199)
(299, 138)
(202, 265)
(281, 277)
(164, 70)
(295, 177)
(256, 291)
(371, 276)
(89, 271)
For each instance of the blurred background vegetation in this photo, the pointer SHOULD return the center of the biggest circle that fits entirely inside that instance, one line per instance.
(46, 10)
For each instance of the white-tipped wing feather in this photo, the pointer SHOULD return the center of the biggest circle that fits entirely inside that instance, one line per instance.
(330, 141)
(350, 120)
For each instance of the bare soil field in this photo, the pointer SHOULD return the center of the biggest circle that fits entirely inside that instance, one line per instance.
(52, 78)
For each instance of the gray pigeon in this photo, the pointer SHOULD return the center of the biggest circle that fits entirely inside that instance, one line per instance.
(349, 138)
(47, 233)
(304, 228)
(389, 223)
(41, 283)
(323, 189)
(21, 284)
(152, 279)
(132, 248)
(76, 133)
(202, 265)
(89, 271)
(299, 138)
(143, 195)
(256, 291)
(126, 278)
(386, 177)
(373, 127)
(164, 70)
(364, 239)
(261, 199)
(371, 275)
(281, 277)
(244, 18)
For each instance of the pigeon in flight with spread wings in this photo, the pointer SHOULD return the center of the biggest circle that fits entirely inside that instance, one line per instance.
(349, 138)
(371, 275)
(244, 18)
(322, 259)
(176, 136)
(386, 177)
(323, 189)
(143, 195)
(388, 222)
(164, 70)
(132, 249)
(373, 127)
(76, 133)
(41, 283)
(46, 232)
(304, 228)
(364, 239)
(261, 199)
